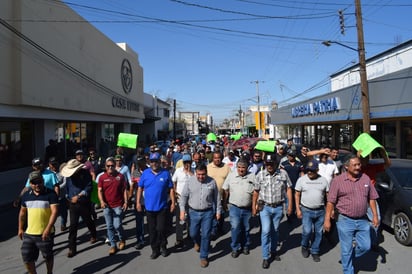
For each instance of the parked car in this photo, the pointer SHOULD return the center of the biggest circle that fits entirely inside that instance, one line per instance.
(394, 186)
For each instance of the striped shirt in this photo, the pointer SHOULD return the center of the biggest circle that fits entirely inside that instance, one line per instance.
(38, 210)
(351, 198)
(272, 188)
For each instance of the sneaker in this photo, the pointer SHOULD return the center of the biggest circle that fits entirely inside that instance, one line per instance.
(197, 247)
(93, 240)
(122, 244)
(107, 241)
(246, 251)
(204, 263)
(316, 258)
(235, 253)
(305, 252)
(112, 250)
(265, 264)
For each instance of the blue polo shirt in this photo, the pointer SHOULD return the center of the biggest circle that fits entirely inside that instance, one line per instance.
(156, 188)
(49, 177)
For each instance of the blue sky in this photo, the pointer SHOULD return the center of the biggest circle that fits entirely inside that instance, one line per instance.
(205, 54)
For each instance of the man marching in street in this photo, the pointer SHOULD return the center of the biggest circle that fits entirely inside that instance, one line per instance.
(112, 193)
(271, 189)
(310, 191)
(157, 185)
(238, 192)
(202, 196)
(350, 194)
(39, 206)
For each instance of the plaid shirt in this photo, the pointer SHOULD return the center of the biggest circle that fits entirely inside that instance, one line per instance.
(272, 188)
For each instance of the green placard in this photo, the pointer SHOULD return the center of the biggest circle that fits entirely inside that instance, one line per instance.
(366, 143)
(94, 197)
(211, 137)
(268, 146)
(235, 137)
(127, 140)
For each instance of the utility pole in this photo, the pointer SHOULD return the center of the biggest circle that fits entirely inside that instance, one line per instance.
(174, 119)
(362, 69)
(258, 105)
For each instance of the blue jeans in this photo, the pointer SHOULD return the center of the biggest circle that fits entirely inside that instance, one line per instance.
(200, 229)
(270, 219)
(374, 230)
(312, 219)
(349, 230)
(239, 222)
(113, 218)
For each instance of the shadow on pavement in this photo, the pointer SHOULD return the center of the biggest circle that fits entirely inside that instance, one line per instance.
(8, 228)
(107, 264)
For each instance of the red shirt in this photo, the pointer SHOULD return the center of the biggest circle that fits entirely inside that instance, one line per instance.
(351, 198)
(372, 170)
(113, 187)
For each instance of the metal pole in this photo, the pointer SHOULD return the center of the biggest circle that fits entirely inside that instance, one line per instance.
(362, 69)
(258, 107)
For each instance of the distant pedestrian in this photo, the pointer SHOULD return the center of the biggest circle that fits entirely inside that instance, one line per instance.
(39, 206)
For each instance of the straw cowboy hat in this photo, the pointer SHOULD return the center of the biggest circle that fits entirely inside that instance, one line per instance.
(71, 167)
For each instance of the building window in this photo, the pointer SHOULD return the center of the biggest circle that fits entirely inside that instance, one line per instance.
(16, 144)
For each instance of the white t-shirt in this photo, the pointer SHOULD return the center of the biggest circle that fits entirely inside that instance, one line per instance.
(328, 170)
(180, 177)
(312, 192)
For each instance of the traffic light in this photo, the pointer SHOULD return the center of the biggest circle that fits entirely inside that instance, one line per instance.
(341, 22)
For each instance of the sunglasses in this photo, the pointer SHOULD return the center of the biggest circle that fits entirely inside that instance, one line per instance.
(109, 166)
(36, 182)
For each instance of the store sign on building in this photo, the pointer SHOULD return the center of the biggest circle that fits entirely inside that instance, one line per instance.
(126, 75)
(319, 107)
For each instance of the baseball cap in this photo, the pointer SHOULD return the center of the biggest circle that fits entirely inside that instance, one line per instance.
(291, 152)
(36, 161)
(269, 158)
(155, 156)
(79, 151)
(187, 158)
(312, 165)
(35, 176)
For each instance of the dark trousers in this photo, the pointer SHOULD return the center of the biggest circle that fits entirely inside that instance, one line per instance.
(156, 223)
(181, 227)
(83, 209)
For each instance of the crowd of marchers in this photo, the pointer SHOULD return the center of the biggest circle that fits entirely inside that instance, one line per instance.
(198, 184)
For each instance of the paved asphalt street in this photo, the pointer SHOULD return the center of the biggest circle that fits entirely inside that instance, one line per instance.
(392, 258)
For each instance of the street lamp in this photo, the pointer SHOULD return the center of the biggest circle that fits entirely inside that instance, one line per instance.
(328, 43)
(362, 67)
